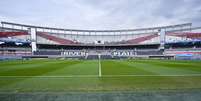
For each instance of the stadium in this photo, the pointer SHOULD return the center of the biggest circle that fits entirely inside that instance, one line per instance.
(158, 59)
(166, 42)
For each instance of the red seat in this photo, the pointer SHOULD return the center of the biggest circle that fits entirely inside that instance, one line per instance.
(186, 34)
(10, 34)
(142, 39)
(55, 39)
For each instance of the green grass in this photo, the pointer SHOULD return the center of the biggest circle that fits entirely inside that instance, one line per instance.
(117, 75)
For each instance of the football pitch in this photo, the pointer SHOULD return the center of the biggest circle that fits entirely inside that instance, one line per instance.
(45, 75)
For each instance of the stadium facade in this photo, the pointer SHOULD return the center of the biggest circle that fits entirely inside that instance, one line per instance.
(180, 41)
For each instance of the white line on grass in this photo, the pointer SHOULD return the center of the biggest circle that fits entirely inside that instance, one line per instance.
(99, 65)
(87, 76)
(68, 76)
(194, 75)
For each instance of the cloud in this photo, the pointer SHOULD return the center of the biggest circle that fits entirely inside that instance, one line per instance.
(99, 14)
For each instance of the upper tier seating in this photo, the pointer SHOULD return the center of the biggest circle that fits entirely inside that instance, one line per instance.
(186, 34)
(142, 39)
(10, 34)
(56, 39)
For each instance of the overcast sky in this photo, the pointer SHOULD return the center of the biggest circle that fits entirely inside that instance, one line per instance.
(101, 14)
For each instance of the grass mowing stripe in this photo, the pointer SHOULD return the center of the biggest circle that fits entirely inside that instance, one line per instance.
(40, 70)
(187, 65)
(140, 67)
(89, 67)
(80, 76)
(167, 72)
(26, 66)
(161, 70)
(35, 71)
(85, 78)
(17, 62)
(119, 67)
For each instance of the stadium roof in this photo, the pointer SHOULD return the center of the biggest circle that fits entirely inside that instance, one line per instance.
(80, 30)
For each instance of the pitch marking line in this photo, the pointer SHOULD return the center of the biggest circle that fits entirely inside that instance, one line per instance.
(69, 76)
(87, 76)
(196, 75)
(99, 66)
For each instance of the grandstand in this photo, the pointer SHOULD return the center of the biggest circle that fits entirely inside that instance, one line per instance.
(168, 42)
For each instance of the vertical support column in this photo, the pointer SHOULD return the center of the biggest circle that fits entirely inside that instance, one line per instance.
(162, 40)
(32, 31)
(135, 51)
